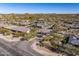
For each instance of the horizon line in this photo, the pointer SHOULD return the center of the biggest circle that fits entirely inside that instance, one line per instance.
(39, 13)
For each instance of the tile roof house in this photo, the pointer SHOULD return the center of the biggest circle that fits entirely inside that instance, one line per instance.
(20, 28)
(46, 31)
(16, 28)
(74, 40)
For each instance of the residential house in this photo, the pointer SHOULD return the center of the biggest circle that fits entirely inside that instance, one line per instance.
(74, 40)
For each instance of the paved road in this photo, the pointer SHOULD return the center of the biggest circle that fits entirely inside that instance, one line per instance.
(18, 49)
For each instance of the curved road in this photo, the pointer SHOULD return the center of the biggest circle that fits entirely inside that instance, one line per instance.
(21, 48)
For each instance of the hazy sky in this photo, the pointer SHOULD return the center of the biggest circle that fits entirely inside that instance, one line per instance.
(39, 8)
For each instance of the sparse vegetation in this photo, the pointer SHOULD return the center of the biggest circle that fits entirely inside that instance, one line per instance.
(61, 24)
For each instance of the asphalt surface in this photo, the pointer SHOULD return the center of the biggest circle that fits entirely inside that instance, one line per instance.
(21, 48)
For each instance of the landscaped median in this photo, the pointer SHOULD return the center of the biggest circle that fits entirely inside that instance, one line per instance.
(44, 51)
(9, 38)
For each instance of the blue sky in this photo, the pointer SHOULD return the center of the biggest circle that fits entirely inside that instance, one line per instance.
(39, 7)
